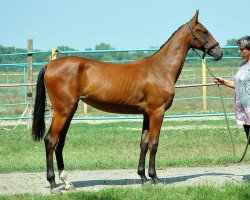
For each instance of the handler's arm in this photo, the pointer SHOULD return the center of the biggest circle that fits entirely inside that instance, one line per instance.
(222, 81)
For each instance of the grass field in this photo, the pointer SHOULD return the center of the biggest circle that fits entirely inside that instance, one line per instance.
(115, 145)
(202, 192)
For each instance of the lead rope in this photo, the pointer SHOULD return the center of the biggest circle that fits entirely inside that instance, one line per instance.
(245, 151)
(228, 127)
(223, 105)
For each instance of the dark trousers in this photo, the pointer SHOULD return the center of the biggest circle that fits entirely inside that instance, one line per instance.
(246, 129)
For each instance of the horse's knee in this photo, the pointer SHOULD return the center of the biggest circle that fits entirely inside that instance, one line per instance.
(144, 147)
(47, 140)
(144, 141)
(49, 143)
(153, 146)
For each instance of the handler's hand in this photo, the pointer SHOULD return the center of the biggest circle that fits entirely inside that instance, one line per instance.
(219, 80)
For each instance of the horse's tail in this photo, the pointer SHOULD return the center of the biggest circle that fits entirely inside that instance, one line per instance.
(38, 125)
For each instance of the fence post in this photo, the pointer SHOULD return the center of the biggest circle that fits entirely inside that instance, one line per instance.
(30, 80)
(85, 108)
(54, 54)
(204, 88)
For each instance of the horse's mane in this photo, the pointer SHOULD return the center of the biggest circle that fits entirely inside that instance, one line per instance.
(168, 40)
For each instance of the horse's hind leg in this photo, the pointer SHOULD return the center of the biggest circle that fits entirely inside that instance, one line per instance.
(59, 156)
(59, 122)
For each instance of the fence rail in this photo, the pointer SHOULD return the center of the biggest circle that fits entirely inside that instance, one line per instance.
(28, 86)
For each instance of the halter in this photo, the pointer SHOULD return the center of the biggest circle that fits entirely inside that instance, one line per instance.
(206, 48)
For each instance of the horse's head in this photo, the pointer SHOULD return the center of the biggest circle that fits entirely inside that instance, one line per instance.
(203, 40)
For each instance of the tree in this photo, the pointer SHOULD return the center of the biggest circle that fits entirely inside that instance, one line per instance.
(104, 46)
(65, 48)
(106, 56)
(231, 52)
(231, 42)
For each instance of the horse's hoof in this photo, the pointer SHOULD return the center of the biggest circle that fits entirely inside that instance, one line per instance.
(146, 184)
(56, 190)
(160, 184)
(70, 187)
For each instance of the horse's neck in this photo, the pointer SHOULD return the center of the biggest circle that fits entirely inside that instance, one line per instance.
(170, 58)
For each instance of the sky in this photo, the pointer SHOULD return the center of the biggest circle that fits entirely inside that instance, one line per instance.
(124, 24)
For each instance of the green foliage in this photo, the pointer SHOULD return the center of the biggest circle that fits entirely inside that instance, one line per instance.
(19, 58)
(103, 46)
(231, 52)
(199, 192)
(232, 42)
(65, 48)
(11, 59)
(107, 56)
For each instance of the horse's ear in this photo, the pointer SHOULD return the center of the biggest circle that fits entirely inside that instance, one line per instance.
(194, 20)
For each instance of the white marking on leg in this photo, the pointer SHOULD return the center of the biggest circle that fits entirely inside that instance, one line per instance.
(64, 178)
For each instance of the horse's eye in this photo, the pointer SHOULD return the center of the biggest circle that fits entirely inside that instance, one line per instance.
(205, 32)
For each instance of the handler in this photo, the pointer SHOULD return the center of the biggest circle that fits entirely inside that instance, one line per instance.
(241, 84)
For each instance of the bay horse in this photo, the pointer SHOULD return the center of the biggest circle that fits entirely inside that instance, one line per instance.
(145, 86)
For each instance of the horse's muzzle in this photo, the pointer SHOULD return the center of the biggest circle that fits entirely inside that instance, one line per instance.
(216, 53)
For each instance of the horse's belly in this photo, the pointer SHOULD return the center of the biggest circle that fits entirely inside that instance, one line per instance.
(114, 108)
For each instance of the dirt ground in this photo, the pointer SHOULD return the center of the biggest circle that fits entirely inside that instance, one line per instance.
(94, 180)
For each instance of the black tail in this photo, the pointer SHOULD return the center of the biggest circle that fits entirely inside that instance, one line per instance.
(38, 125)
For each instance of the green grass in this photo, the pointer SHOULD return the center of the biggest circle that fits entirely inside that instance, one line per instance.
(202, 192)
(116, 146)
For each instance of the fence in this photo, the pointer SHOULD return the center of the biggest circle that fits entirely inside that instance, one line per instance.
(189, 82)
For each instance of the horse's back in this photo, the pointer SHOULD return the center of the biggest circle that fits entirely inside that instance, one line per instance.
(77, 67)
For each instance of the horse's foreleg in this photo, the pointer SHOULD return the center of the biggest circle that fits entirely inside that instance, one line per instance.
(155, 125)
(144, 149)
